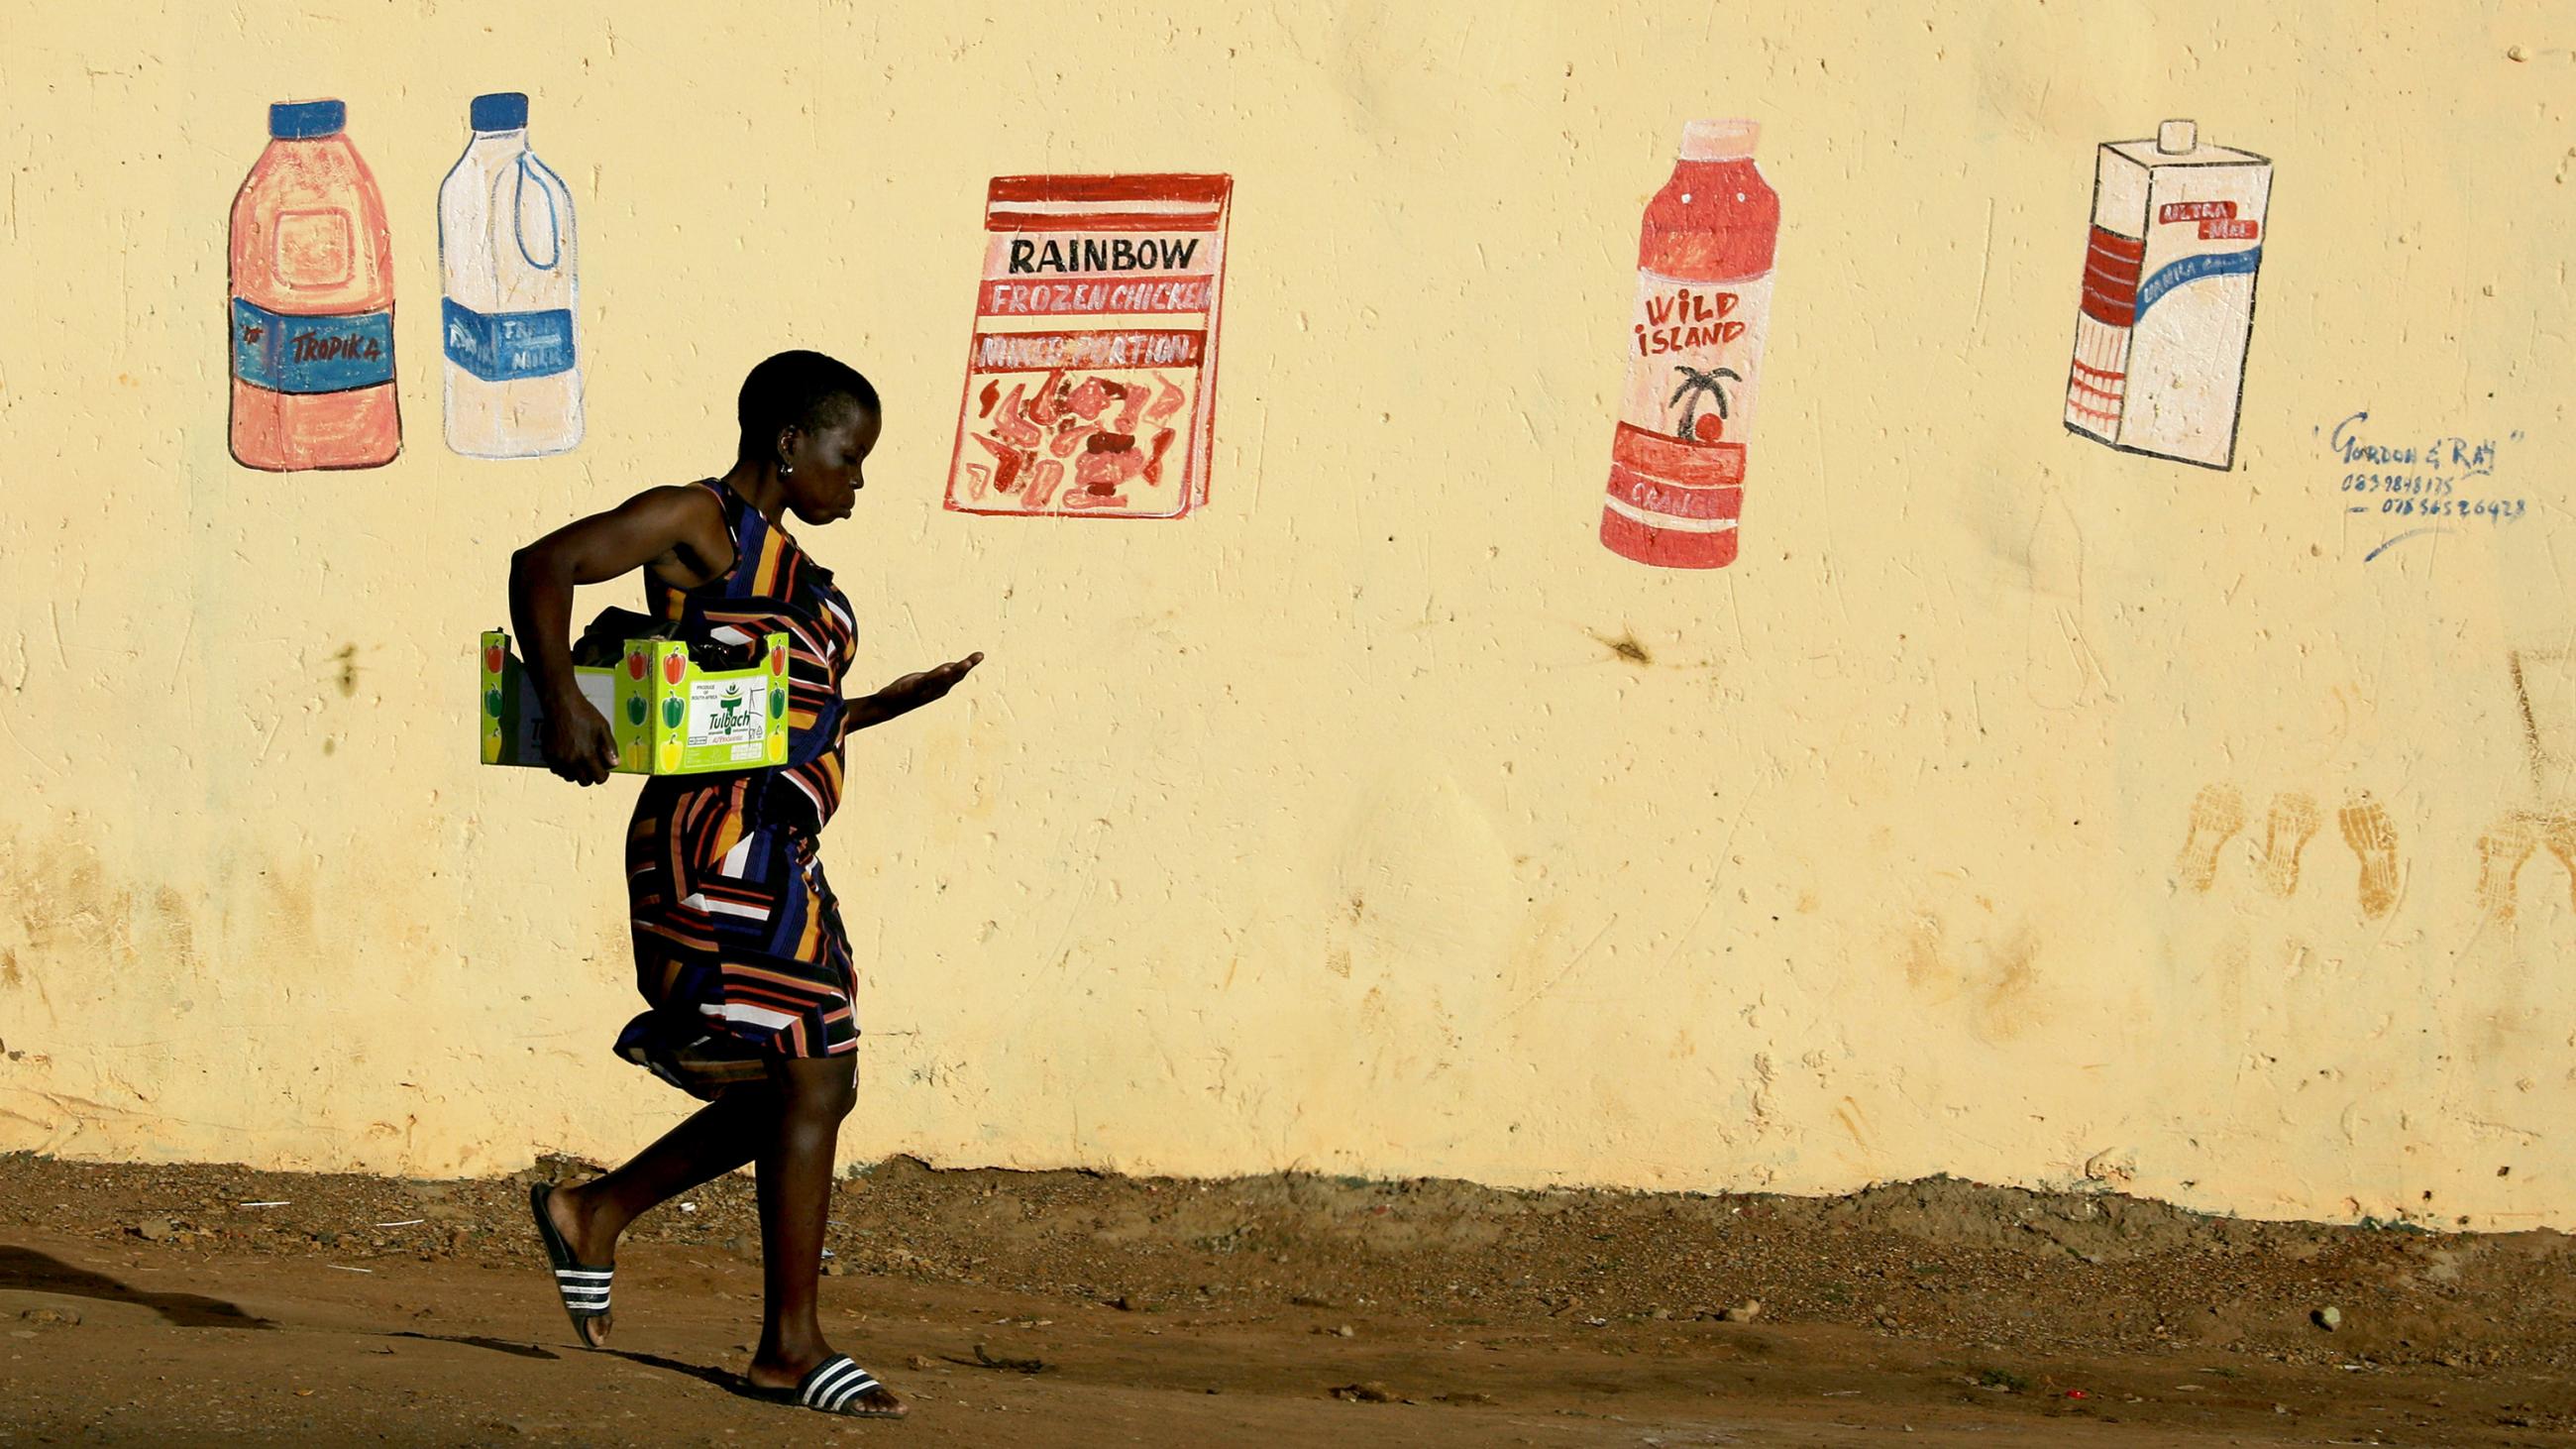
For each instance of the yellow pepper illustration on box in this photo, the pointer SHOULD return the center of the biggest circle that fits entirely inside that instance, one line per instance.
(670, 716)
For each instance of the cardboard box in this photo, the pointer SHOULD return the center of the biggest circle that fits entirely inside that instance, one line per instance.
(670, 716)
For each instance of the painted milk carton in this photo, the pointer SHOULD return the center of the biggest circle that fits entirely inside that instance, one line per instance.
(2168, 304)
(669, 716)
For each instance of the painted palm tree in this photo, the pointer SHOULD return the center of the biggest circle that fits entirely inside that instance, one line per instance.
(1694, 383)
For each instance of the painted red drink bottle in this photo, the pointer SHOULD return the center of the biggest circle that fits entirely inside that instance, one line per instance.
(312, 302)
(1694, 355)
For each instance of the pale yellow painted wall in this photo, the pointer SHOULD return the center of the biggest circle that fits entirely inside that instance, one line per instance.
(1326, 829)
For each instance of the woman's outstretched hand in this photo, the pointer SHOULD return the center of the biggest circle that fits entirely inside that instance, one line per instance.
(907, 694)
(922, 687)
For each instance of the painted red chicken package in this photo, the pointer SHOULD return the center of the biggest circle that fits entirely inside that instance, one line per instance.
(1091, 384)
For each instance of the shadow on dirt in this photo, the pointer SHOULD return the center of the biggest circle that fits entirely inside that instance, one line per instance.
(477, 1340)
(38, 1272)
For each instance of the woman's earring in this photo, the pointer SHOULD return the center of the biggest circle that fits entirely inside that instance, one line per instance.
(786, 470)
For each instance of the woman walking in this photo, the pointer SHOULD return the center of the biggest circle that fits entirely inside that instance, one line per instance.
(739, 949)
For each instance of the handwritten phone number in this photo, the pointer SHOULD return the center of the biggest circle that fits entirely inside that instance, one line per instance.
(2500, 509)
(2416, 483)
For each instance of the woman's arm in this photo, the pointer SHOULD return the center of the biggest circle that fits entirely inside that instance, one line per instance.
(905, 695)
(678, 532)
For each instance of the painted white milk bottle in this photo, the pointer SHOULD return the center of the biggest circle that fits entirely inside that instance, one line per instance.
(506, 255)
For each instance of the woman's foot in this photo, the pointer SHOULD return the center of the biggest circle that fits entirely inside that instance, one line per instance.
(582, 1255)
(824, 1380)
(578, 1218)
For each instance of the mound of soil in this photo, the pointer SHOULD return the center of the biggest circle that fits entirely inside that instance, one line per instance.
(1938, 1259)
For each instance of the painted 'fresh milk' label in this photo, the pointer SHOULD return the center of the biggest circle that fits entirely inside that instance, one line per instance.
(507, 346)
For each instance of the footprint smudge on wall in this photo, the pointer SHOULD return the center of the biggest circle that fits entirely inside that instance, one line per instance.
(2373, 838)
(2294, 818)
(2502, 850)
(2558, 833)
(2217, 813)
(2508, 845)
(2292, 822)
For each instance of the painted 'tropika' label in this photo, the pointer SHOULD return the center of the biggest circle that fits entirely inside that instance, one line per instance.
(293, 354)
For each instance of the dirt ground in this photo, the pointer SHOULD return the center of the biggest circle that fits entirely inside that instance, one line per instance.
(196, 1305)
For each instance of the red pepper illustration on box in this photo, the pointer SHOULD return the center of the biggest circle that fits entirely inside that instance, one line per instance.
(1677, 462)
(1091, 383)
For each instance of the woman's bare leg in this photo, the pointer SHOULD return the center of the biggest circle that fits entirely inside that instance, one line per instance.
(795, 1169)
(716, 1139)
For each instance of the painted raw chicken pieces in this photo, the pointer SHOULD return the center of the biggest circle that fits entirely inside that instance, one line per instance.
(1110, 438)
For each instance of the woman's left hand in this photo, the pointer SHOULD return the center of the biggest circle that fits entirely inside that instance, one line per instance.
(921, 687)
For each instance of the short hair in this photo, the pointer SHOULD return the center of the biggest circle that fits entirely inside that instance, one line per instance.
(795, 389)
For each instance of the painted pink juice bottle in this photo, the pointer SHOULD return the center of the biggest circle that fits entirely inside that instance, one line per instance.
(1677, 461)
(312, 302)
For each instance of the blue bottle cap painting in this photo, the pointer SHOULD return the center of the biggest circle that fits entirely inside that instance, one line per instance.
(500, 111)
(304, 120)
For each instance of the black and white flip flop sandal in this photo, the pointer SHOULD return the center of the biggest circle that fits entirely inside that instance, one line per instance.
(835, 1386)
(583, 1288)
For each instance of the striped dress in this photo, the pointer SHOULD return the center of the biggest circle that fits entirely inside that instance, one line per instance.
(738, 940)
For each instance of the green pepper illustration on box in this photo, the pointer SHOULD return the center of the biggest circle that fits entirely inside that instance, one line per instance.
(670, 717)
